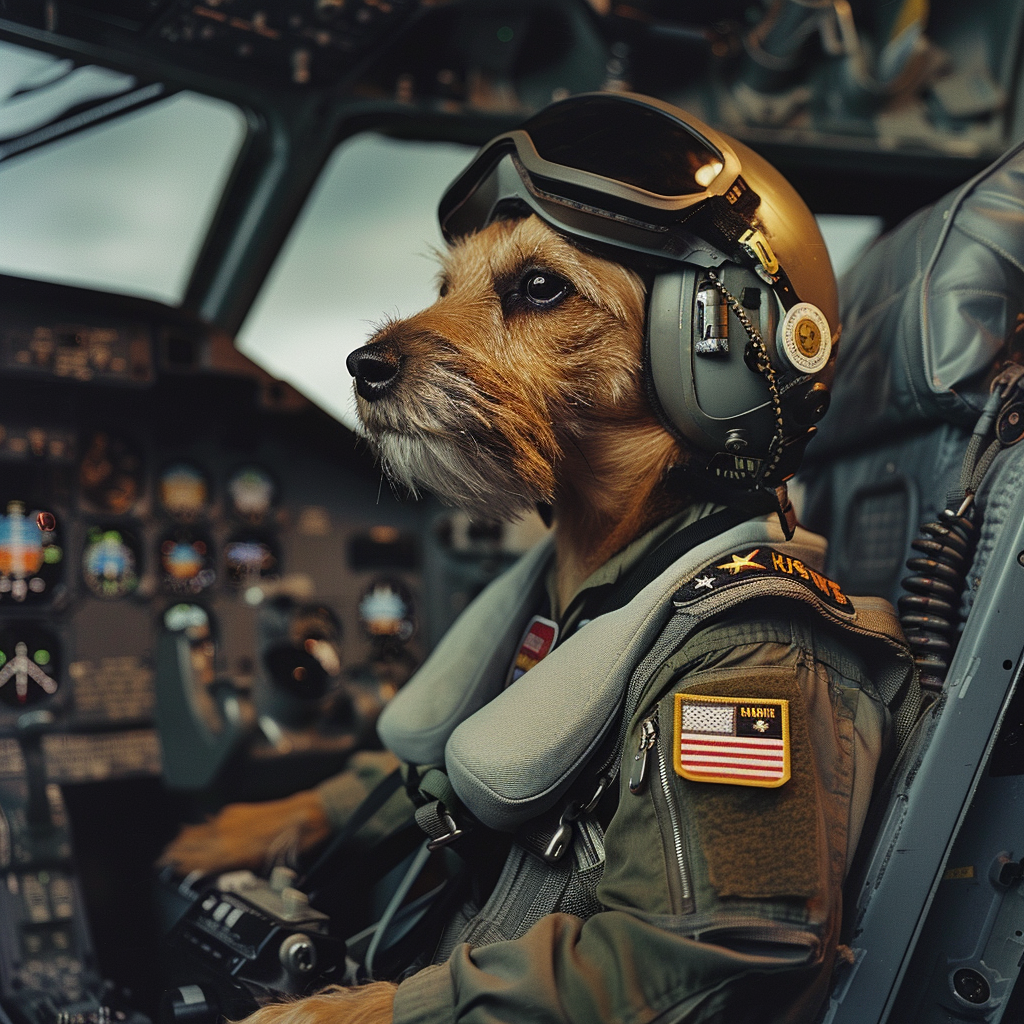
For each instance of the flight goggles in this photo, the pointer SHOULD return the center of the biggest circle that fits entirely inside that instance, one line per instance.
(620, 170)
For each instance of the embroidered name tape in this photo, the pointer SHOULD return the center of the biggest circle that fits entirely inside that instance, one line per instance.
(761, 562)
(539, 638)
(736, 740)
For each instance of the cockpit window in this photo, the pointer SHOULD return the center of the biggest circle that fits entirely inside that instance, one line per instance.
(122, 206)
(360, 251)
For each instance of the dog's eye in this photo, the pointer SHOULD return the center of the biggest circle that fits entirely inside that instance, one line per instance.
(543, 289)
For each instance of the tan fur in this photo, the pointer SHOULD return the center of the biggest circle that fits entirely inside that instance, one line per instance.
(250, 836)
(367, 1004)
(499, 406)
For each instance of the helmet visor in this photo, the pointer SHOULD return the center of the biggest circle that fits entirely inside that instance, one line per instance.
(625, 142)
(628, 161)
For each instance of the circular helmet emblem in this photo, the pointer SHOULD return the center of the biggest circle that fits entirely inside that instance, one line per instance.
(806, 338)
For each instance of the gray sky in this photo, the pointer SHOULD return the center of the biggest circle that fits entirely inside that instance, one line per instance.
(362, 250)
(123, 206)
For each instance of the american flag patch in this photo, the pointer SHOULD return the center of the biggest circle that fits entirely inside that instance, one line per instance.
(741, 741)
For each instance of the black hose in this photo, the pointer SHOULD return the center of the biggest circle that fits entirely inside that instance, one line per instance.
(930, 611)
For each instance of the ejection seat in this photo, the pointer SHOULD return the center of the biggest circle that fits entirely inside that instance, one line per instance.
(935, 920)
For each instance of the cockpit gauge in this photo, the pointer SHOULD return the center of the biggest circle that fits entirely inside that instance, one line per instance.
(386, 611)
(184, 490)
(250, 558)
(111, 472)
(252, 492)
(186, 562)
(31, 555)
(29, 665)
(110, 562)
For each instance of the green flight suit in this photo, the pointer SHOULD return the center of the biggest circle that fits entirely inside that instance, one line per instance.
(717, 902)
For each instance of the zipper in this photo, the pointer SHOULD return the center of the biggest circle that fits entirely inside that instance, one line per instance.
(686, 889)
(649, 740)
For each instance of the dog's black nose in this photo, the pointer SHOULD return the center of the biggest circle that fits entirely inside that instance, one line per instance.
(375, 368)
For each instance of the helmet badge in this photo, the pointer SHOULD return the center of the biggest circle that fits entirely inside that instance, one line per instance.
(806, 338)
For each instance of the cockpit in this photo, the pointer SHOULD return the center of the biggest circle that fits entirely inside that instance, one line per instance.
(209, 591)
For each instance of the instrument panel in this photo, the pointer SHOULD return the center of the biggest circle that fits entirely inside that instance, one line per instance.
(144, 494)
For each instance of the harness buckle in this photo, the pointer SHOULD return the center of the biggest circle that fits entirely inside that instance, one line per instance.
(453, 833)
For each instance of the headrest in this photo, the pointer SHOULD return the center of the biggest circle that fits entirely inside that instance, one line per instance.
(926, 311)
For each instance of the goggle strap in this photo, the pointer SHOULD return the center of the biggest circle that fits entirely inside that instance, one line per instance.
(743, 199)
(721, 224)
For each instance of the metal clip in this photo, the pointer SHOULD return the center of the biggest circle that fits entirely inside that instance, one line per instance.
(756, 246)
(591, 805)
(562, 839)
(453, 833)
(560, 842)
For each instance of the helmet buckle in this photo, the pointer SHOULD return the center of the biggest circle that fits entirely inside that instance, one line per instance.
(756, 246)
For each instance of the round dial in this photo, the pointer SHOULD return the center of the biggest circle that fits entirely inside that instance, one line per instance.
(252, 492)
(296, 671)
(249, 558)
(29, 665)
(110, 473)
(110, 562)
(186, 562)
(386, 611)
(31, 555)
(184, 490)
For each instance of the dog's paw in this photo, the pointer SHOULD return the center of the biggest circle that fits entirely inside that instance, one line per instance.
(245, 835)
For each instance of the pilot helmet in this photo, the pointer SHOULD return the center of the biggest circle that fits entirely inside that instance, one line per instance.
(742, 310)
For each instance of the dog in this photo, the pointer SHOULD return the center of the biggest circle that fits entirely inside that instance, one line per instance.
(522, 385)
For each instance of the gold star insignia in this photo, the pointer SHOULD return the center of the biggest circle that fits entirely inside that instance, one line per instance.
(738, 563)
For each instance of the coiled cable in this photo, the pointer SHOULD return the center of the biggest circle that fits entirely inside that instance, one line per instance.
(930, 611)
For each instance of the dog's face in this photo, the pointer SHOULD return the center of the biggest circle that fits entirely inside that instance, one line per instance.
(530, 346)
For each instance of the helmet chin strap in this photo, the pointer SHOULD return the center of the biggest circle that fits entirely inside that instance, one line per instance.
(764, 366)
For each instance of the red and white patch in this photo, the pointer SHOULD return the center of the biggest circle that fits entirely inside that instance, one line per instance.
(540, 636)
(741, 741)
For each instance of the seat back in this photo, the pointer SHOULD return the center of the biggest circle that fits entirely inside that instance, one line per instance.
(936, 911)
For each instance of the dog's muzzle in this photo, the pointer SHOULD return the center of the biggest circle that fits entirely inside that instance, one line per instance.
(375, 368)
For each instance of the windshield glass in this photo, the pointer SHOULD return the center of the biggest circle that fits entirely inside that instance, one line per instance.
(123, 206)
(360, 251)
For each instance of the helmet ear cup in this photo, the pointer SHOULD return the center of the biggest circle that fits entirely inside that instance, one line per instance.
(708, 388)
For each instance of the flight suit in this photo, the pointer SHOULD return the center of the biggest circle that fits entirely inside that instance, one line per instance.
(701, 900)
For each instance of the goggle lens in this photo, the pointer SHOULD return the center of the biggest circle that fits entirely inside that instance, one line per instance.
(625, 142)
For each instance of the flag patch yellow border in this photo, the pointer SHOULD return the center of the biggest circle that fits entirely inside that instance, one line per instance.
(738, 741)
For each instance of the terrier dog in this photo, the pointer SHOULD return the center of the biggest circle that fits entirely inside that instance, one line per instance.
(521, 385)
